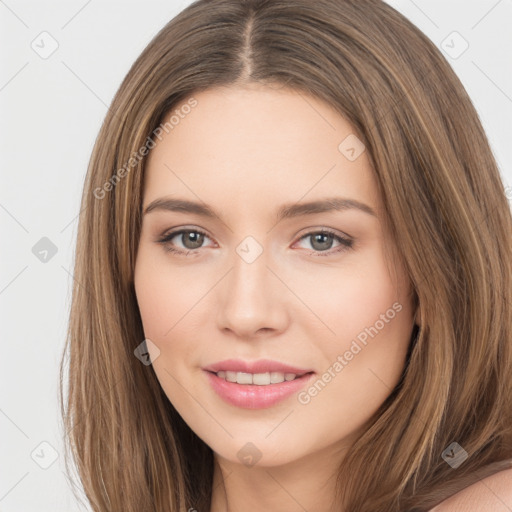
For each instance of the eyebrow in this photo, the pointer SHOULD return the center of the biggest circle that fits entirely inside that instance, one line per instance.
(287, 211)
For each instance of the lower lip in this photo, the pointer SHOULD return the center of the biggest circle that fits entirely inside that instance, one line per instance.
(252, 396)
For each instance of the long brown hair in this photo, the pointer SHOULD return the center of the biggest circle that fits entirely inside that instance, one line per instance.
(445, 205)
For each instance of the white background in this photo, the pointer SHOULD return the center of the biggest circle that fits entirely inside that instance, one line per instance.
(51, 111)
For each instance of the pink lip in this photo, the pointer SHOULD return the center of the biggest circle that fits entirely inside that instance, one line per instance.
(260, 366)
(253, 396)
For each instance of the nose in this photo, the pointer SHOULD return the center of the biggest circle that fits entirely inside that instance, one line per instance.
(252, 300)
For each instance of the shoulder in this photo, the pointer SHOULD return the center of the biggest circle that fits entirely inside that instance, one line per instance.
(492, 494)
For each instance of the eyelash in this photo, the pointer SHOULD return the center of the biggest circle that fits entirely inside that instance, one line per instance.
(345, 243)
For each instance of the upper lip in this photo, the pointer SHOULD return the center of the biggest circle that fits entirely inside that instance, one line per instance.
(259, 366)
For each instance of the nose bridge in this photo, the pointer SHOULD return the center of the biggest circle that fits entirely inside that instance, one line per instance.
(249, 279)
(249, 299)
(249, 261)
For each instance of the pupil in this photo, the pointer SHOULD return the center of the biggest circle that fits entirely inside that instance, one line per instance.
(326, 244)
(195, 238)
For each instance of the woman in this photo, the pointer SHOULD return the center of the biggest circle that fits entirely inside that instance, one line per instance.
(293, 273)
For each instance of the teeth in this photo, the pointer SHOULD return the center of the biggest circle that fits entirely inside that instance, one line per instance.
(243, 378)
(276, 377)
(259, 379)
(231, 376)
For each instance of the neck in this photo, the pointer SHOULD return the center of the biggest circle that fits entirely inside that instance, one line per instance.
(305, 484)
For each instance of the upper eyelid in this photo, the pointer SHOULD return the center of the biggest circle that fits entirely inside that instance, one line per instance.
(178, 231)
(310, 231)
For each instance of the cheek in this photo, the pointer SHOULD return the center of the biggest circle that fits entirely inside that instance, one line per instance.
(363, 362)
(166, 294)
(352, 298)
(371, 316)
(166, 299)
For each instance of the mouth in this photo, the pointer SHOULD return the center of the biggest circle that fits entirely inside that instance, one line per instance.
(256, 391)
(257, 379)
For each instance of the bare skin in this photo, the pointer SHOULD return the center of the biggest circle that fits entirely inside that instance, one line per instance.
(302, 301)
(492, 494)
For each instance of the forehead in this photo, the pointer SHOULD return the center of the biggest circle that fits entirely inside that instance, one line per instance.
(261, 142)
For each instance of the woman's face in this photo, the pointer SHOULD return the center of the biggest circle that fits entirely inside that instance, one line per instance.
(253, 278)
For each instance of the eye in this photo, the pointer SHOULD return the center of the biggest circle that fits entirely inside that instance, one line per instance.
(191, 240)
(321, 242)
